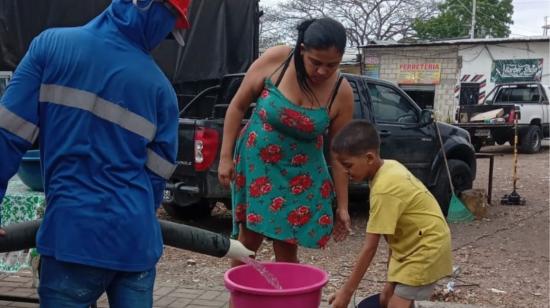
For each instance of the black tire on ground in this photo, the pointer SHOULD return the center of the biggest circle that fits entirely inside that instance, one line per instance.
(196, 210)
(500, 140)
(462, 180)
(530, 142)
(477, 143)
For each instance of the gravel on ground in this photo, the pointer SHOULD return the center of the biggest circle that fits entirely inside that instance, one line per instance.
(502, 260)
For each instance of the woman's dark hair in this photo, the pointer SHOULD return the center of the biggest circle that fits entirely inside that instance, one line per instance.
(321, 33)
(356, 138)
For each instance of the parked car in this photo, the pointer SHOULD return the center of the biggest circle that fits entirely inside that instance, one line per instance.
(493, 120)
(407, 134)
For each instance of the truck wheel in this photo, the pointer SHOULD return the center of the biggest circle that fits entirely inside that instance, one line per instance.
(199, 209)
(462, 180)
(477, 143)
(500, 140)
(530, 142)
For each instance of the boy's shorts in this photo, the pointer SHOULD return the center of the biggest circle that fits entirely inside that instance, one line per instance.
(417, 293)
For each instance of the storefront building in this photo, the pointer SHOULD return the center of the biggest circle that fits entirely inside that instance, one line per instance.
(441, 75)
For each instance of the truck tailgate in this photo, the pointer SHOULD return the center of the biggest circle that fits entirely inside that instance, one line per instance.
(186, 144)
(467, 112)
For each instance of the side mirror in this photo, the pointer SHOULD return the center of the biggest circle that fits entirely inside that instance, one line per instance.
(426, 117)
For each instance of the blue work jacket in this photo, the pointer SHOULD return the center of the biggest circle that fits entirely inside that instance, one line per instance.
(106, 119)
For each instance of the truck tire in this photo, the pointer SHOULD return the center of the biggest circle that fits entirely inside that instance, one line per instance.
(199, 209)
(461, 174)
(477, 143)
(500, 140)
(530, 142)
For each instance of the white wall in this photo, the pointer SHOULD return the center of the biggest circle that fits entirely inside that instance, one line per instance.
(477, 60)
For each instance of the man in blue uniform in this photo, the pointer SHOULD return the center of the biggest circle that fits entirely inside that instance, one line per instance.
(106, 119)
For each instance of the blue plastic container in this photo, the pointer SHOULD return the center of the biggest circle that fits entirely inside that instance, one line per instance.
(30, 171)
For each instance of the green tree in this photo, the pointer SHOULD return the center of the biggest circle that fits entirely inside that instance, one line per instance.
(453, 20)
(364, 20)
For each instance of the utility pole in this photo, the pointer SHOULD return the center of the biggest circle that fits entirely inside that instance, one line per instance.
(472, 30)
(546, 26)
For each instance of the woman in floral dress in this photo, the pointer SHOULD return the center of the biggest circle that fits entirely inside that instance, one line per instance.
(281, 185)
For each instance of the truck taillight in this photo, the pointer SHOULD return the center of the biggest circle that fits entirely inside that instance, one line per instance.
(513, 114)
(206, 147)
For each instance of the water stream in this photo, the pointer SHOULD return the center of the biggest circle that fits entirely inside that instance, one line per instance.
(269, 277)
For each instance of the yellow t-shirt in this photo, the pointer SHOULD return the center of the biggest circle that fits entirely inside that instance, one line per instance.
(402, 209)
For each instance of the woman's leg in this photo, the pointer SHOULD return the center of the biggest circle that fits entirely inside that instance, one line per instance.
(285, 252)
(250, 240)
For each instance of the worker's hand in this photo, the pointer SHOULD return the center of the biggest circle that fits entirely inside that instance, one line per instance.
(342, 225)
(340, 299)
(2, 232)
(226, 171)
(237, 250)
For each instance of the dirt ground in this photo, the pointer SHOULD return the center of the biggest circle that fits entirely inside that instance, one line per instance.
(503, 260)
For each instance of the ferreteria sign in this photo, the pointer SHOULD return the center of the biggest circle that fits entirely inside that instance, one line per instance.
(516, 70)
(419, 73)
(372, 66)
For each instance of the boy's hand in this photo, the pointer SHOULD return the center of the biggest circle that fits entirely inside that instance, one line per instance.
(340, 299)
(2, 232)
(342, 226)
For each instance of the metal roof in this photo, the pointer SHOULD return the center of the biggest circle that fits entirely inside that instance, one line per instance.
(378, 44)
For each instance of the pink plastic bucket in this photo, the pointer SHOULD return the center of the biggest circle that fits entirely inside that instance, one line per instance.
(302, 285)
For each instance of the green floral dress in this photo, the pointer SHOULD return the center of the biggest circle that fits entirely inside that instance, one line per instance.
(282, 187)
(19, 204)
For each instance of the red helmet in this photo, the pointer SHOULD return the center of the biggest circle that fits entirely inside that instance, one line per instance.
(182, 7)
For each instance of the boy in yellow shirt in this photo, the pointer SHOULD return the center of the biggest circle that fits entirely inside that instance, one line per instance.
(404, 212)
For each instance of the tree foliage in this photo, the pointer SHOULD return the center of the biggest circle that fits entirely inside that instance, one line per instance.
(493, 18)
(363, 19)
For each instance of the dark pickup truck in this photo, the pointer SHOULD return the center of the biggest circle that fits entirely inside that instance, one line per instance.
(407, 134)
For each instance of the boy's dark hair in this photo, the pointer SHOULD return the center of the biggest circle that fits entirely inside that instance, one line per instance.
(321, 33)
(356, 138)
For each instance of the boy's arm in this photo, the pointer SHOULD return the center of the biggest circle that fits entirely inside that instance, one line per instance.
(343, 296)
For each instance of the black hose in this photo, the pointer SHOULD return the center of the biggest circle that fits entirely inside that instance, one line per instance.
(194, 239)
(19, 236)
(23, 236)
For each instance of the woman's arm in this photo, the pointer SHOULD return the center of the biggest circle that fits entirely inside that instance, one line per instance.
(248, 91)
(343, 113)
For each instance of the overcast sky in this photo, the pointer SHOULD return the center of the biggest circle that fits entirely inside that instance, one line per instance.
(528, 16)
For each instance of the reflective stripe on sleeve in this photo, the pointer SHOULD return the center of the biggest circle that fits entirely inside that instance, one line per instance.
(17, 125)
(159, 165)
(98, 106)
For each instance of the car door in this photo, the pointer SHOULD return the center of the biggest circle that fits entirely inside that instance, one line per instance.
(397, 119)
(360, 98)
(545, 90)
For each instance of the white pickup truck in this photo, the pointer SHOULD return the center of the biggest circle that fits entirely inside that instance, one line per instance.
(493, 120)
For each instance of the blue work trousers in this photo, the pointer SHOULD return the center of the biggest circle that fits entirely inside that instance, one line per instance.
(70, 285)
